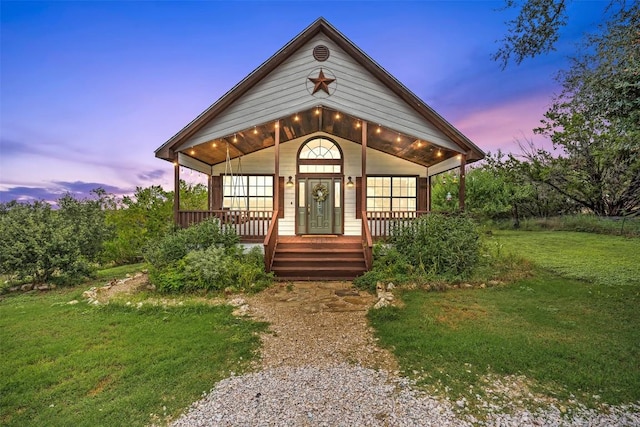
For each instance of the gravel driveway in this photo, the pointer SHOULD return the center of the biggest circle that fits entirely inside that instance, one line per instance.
(320, 366)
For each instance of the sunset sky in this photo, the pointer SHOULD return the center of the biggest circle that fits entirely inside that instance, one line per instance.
(88, 90)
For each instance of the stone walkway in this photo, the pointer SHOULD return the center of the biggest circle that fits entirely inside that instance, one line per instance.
(317, 323)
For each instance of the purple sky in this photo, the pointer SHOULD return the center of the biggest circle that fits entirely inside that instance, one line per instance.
(88, 90)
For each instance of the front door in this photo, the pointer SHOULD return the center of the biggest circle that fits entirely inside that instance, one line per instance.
(320, 206)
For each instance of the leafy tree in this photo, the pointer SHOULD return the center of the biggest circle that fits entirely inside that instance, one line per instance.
(146, 215)
(40, 243)
(533, 31)
(193, 197)
(595, 123)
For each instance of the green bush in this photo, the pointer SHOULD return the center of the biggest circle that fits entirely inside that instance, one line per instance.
(438, 245)
(204, 257)
(173, 246)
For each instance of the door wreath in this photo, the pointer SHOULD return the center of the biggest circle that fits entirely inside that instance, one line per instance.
(320, 192)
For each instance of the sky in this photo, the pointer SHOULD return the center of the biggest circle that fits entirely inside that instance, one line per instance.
(88, 90)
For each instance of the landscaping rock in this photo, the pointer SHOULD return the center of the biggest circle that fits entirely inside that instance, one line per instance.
(26, 287)
(382, 302)
(237, 302)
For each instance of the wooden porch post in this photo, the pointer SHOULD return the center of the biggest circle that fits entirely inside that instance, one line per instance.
(363, 190)
(210, 193)
(428, 192)
(176, 191)
(461, 195)
(276, 179)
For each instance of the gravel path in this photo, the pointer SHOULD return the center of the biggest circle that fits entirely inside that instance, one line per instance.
(320, 366)
(349, 395)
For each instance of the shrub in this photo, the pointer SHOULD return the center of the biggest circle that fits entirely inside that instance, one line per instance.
(438, 245)
(204, 257)
(173, 246)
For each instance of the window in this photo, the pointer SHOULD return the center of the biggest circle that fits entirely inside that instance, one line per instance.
(391, 193)
(320, 155)
(253, 192)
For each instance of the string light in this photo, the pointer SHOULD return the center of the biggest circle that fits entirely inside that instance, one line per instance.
(398, 138)
(419, 144)
(235, 139)
(338, 116)
(317, 111)
(296, 118)
(378, 130)
(192, 152)
(255, 130)
(439, 154)
(358, 124)
(214, 145)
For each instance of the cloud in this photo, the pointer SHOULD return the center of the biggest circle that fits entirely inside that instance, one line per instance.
(56, 189)
(152, 175)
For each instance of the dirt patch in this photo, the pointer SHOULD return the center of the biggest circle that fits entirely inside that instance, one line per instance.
(453, 315)
(317, 323)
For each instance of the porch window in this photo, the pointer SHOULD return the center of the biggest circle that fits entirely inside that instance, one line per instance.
(320, 155)
(253, 192)
(391, 193)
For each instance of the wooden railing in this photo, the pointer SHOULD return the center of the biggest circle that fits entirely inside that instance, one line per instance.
(367, 242)
(251, 226)
(270, 241)
(381, 223)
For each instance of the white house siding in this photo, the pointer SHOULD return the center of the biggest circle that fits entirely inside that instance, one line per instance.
(285, 91)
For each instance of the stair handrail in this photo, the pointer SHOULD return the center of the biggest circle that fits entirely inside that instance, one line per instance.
(367, 241)
(270, 241)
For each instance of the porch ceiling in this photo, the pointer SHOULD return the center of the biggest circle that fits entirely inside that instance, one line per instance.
(322, 119)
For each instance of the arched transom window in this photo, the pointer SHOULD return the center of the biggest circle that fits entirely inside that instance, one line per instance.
(320, 155)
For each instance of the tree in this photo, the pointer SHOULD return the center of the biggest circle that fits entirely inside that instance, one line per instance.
(137, 219)
(534, 31)
(595, 123)
(40, 243)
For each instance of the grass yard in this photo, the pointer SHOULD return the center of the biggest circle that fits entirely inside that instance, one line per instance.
(597, 258)
(112, 365)
(566, 336)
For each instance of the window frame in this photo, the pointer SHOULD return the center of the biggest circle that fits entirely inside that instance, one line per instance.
(391, 197)
(247, 192)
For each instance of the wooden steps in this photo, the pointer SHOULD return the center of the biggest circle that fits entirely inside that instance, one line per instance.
(318, 258)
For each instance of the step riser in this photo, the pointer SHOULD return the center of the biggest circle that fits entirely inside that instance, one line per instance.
(318, 261)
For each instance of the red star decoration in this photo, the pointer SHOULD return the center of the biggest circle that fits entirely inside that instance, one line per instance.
(321, 83)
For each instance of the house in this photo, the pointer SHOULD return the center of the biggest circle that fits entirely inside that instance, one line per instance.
(315, 153)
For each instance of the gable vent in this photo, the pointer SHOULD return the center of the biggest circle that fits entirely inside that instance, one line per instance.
(321, 53)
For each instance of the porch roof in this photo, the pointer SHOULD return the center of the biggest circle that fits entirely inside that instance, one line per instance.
(323, 117)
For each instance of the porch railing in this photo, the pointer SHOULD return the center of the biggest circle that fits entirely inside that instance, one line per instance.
(381, 223)
(251, 226)
(270, 241)
(367, 241)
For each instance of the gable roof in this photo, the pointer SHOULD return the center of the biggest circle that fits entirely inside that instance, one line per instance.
(321, 27)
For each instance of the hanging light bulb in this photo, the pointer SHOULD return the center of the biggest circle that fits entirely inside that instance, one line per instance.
(337, 116)
(398, 138)
(358, 124)
(296, 118)
(439, 154)
(214, 145)
(419, 144)
(235, 138)
(192, 152)
(317, 111)
(255, 130)
(378, 130)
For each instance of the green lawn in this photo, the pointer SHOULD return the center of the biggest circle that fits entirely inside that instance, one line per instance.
(601, 259)
(567, 336)
(113, 365)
